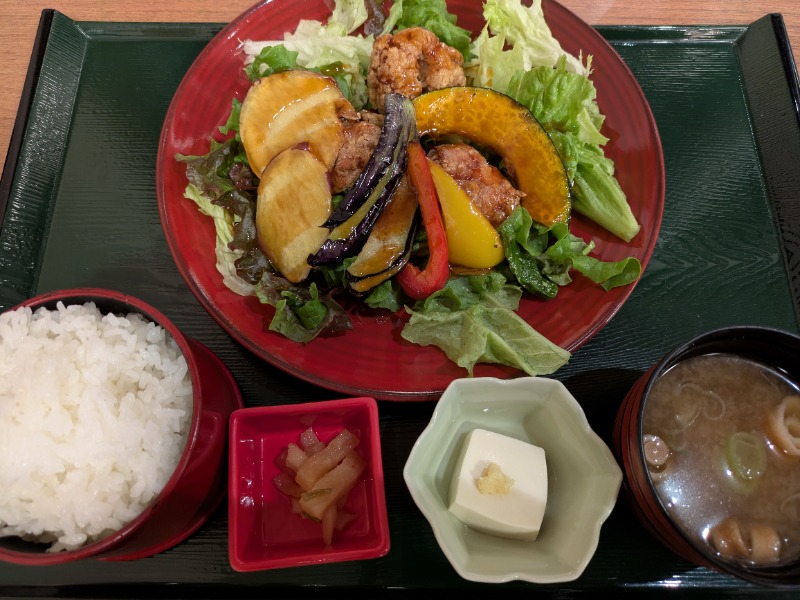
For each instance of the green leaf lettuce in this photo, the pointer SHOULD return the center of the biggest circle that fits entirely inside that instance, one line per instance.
(473, 320)
(564, 103)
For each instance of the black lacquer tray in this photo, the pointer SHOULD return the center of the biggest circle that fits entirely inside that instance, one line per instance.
(78, 207)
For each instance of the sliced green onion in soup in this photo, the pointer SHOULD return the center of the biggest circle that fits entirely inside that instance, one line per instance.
(747, 456)
(791, 507)
(713, 406)
(686, 405)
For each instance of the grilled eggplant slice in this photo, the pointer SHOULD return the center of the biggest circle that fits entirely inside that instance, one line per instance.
(353, 219)
(388, 247)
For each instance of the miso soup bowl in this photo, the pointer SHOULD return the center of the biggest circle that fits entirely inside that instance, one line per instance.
(776, 349)
(197, 486)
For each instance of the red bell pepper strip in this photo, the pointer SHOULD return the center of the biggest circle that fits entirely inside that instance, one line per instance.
(419, 284)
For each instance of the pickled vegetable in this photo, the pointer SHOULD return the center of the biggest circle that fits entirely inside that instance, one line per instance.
(317, 478)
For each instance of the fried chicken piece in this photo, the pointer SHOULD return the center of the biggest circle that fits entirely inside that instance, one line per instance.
(486, 186)
(411, 62)
(371, 117)
(360, 139)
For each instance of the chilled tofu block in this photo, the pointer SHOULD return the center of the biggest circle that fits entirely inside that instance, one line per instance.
(499, 485)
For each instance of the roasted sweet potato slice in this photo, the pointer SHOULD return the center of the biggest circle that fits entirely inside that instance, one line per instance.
(294, 200)
(288, 108)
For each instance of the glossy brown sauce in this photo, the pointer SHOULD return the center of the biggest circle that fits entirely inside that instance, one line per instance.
(708, 410)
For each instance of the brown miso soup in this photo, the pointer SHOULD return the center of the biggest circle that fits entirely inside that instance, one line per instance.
(722, 441)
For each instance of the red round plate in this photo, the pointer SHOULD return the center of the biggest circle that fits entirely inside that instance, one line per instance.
(372, 359)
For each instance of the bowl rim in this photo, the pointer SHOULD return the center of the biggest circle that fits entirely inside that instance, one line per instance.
(96, 548)
(767, 576)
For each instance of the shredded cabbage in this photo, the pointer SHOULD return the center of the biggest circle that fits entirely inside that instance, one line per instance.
(525, 29)
(321, 44)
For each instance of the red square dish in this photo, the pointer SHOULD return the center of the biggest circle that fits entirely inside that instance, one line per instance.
(263, 531)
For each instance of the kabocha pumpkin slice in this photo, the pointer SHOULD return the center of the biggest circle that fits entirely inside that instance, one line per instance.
(288, 108)
(498, 122)
(294, 200)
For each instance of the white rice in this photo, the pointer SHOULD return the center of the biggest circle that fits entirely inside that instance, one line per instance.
(94, 415)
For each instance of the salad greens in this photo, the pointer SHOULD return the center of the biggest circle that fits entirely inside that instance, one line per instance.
(431, 15)
(328, 47)
(473, 318)
(556, 88)
(541, 257)
(531, 43)
(564, 103)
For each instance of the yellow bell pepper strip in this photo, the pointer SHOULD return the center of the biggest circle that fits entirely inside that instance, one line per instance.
(472, 241)
(416, 283)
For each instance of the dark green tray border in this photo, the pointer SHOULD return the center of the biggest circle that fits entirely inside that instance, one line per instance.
(775, 115)
(26, 99)
(775, 124)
